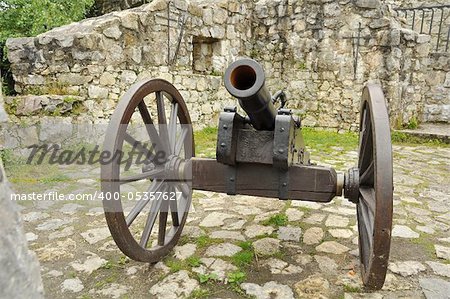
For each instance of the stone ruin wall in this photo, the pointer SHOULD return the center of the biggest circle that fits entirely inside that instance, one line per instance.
(20, 276)
(304, 46)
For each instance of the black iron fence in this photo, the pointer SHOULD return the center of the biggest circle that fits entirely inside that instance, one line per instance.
(431, 20)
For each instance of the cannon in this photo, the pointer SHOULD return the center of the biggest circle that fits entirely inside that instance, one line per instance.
(259, 154)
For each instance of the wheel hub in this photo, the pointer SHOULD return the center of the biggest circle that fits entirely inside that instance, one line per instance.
(174, 168)
(351, 185)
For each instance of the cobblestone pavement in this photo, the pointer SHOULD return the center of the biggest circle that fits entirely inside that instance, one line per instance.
(308, 251)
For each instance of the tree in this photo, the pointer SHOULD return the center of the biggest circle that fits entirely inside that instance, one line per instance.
(19, 18)
(32, 17)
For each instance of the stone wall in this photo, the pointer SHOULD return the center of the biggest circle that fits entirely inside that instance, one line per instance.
(437, 97)
(100, 58)
(306, 48)
(19, 268)
(107, 6)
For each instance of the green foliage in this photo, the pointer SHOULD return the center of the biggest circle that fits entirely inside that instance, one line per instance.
(123, 260)
(193, 261)
(205, 141)
(236, 277)
(8, 158)
(11, 107)
(77, 109)
(276, 220)
(403, 138)
(351, 288)
(31, 17)
(254, 53)
(175, 265)
(301, 65)
(242, 258)
(205, 240)
(199, 293)
(216, 73)
(413, 123)
(246, 245)
(20, 18)
(55, 178)
(69, 100)
(57, 88)
(204, 278)
(108, 265)
(323, 140)
(110, 279)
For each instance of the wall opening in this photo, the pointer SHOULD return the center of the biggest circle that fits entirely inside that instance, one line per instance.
(207, 55)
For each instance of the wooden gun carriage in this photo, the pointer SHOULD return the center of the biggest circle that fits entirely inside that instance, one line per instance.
(261, 154)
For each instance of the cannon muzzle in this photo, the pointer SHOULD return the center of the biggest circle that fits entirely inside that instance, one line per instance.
(244, 80)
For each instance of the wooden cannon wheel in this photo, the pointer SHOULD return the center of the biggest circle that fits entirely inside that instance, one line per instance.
(374, 206)
(150, 240)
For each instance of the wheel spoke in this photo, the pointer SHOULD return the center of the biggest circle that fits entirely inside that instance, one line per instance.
(142, 203)
(180, 141)
(163, 222)
(174, 208)
(151, 219)
(366, 143)
(367, 177)
(141, 176)
(170, 233)
(173, 127)
(149, 125)
(138, 145)
(365, 239)
(162, 121)
(184, 199)
(161, 108)
(367, 220)
(367, 195)
(367, 212)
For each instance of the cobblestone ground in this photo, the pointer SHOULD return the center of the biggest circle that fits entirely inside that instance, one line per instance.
(303, 250)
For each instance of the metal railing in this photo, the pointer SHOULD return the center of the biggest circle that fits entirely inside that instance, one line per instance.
(431, 20)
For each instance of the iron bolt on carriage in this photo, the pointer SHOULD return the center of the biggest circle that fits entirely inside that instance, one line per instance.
(261, 154)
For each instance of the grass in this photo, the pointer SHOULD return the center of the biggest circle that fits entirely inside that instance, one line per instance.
(413, 123)
(351, 289)
(323, 140)
(427, 245)
(276, 220)
(28, 175)
(110, 279)
(244, 257)
(110, 264)
(176, 265)
(407, 139)
(209, 277)
(200, 293)
(205, 141)
(205, 241)
(55, 88)
(193, 261)
(236, 277)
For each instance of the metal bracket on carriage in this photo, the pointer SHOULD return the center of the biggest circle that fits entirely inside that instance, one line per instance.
(230, 122)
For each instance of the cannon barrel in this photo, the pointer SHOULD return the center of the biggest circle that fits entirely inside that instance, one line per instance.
(244, 79)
